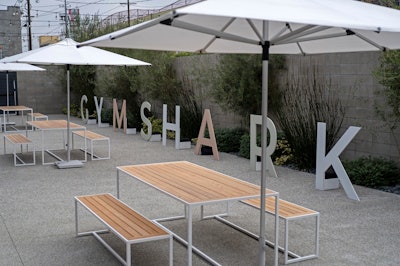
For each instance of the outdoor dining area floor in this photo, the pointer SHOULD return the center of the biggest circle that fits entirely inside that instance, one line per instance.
(37, 212)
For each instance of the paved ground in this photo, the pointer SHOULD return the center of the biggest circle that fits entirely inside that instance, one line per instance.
(37, 212)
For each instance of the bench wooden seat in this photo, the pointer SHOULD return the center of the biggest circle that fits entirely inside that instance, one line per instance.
(289, 211)
(36, 116)
(127, 224)
(19, 139)
(93, 137)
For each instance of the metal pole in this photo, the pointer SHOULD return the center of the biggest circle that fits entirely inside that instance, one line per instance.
(68, 116)
(8, 90)
(129, 14)
(29, 26)
(66, 19)
(264, 129)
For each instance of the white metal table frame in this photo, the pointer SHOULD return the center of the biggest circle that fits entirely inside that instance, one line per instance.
(14, 108)
(184, 176)
(56, 125)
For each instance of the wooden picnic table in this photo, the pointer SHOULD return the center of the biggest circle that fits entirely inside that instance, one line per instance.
(194, 185)
(53, 125)
(14, 108)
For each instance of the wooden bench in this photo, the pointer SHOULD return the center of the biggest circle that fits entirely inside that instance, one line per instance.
(93, 137)
(36, 116)
(288, 212)
(15, 140)
(127, 224)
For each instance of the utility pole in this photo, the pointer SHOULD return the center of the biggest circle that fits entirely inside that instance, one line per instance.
(129, 14)
(29, 26)
(66, 19)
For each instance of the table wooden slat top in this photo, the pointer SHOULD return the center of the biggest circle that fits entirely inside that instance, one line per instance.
(54, 124)
(191, 183)
(15, 108)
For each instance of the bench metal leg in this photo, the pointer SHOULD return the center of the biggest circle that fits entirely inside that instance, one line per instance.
(128, 254)
(98, 157)
(94, 156)
(15, 155)
(171, 250)
(296, 257)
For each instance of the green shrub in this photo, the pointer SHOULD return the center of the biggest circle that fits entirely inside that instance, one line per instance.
(107, 116)
(282, 155)
(228, 140)
(306, 99)
(244, 150)
(373, 172)
(156, 125)
(132, 121)
(73, 110)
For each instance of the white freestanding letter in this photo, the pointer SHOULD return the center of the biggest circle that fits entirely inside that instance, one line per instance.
(84, 118)
(256, 150)
(98, 110)
(171, 126)
(332, 159)
(146, 105)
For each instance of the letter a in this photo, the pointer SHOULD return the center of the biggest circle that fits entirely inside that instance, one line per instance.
(201, 140)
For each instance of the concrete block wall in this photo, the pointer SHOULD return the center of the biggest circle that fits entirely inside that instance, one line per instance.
(356, 88)
(10, 31)
(352, 72)
(44, 91)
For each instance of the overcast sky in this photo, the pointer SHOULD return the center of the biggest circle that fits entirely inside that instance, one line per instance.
(46, 14)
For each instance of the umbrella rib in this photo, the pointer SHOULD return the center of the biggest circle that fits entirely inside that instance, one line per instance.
(124, 32)
(320, 37)
(279, 33)
(214, 38)
(293, 35)
(217, 34)
(362, 37)
(255, 29)
(288, 27)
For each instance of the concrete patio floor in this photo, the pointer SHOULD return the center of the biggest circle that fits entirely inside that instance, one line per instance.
(37, 212)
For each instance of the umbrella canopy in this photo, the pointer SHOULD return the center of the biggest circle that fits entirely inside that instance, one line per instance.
(265, 26)
(294, 27)
(68, 53)
(14, 67)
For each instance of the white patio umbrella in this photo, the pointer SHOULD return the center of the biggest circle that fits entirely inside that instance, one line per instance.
(14, 67)
(264, 27)
(68, 53)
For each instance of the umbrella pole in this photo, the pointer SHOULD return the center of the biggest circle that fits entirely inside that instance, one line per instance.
(68, 116)
(68, 163)
(8, 90)
(264, 110)
(264, 131)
